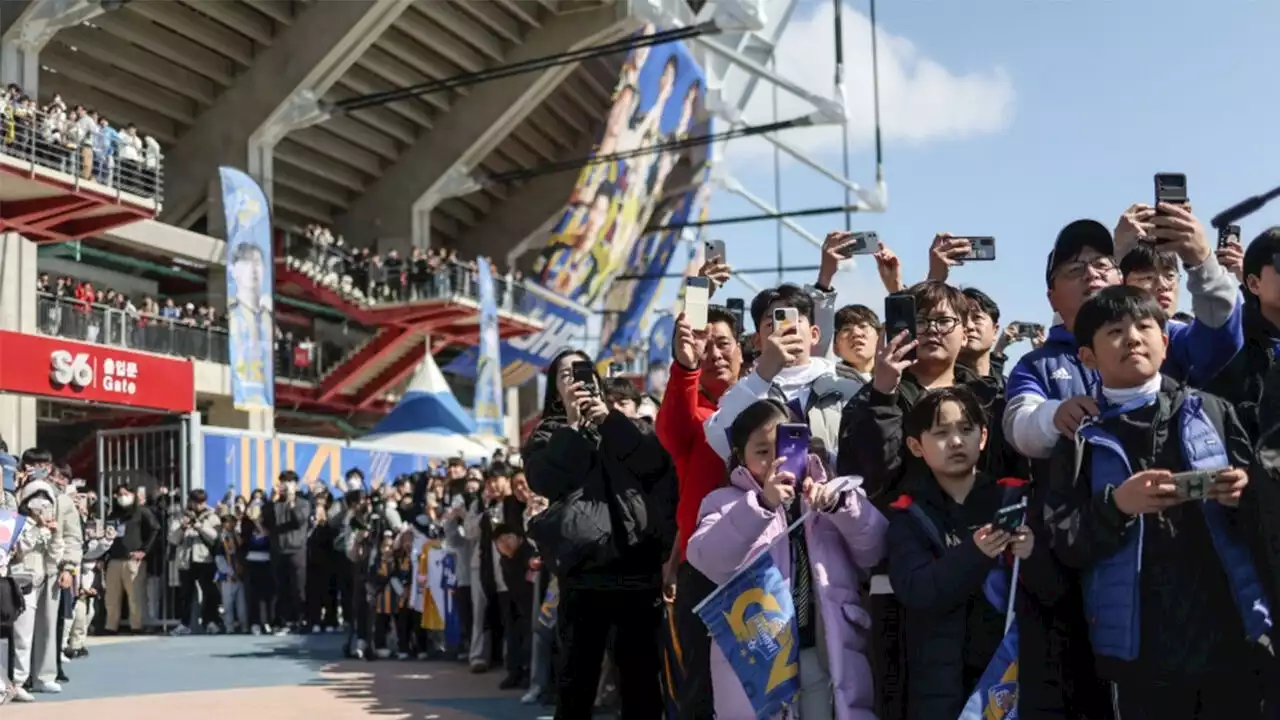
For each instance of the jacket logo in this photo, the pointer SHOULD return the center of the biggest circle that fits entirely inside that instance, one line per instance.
(1060, 374)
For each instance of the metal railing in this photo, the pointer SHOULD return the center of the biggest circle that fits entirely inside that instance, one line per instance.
(332, 266)
(70, 318)
(107, 157)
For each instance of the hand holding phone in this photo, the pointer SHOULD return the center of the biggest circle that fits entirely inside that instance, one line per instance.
(857, 243)
(1011, 517)
(779, 489)
(1171, 188)
(792, 447)
(982, 248)
(1229, 235)
(584, 373)
(697, 296)
(1195, 484)
(716, 252)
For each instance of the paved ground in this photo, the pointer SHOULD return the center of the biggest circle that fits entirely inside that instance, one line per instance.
(294, 677)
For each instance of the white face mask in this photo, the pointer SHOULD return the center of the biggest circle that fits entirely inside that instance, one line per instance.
(125, 501)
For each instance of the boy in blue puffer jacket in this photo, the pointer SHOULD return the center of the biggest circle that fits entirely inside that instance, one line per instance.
(1178, 619)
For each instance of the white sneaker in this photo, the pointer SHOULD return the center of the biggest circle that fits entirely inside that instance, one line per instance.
(282, 631)
(180, 631)
(315, 630)
(382, 653)
(51, 688)
(20, 694)
(403, 656)
(255, 630)
(211, 629)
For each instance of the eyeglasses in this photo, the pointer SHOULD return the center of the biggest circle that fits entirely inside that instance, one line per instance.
(941, 324)
(1168, 277)
(1076, 270)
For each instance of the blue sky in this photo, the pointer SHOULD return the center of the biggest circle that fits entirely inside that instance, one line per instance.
(1011, 119)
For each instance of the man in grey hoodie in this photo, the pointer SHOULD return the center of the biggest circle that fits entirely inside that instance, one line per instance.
(288, 520)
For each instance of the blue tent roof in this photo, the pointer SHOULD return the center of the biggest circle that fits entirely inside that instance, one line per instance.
(428, 405)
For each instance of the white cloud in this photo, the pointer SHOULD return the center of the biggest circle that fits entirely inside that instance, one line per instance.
(920, 99)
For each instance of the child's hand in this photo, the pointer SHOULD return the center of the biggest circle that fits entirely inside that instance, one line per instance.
(821, 497)
(1024, 541)
(991, 541)
(779, 488)
(1149, 491)
(1228, 485)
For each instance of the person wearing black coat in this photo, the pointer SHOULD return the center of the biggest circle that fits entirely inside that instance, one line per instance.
(609, 526)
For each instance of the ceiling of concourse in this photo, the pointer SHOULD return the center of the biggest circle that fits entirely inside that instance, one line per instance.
(160, 65)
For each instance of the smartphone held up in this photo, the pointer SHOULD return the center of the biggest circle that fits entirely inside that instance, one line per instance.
(697, 297)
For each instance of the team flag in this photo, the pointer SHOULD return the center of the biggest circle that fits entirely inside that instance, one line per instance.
(996, 696)
(752, 619)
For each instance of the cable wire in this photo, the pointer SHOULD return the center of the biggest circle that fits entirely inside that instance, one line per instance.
(875, 92)
(520, 68)
(737, 219)
(777, 172)
(844, 127)
(745, 271)
(681, 144)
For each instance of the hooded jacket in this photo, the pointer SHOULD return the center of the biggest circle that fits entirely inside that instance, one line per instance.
(611, 491)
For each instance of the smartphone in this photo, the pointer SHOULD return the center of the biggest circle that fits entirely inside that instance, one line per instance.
(981, 248)
(864, 243)
(716, 251)
(1194, 485)
(1228, 235)
(899, 315)
(1171, 188)
(584, 373)
(793, 447)
(1028, 331)
(697, 295)
(784, 319)
(1010, 517)
(737, 307)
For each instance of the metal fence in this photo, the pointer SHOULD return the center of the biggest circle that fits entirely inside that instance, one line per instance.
(158, 459)
(364, 282)
(111, 158)
(67, 317)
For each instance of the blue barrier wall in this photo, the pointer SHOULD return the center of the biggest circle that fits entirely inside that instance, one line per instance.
(241, 462)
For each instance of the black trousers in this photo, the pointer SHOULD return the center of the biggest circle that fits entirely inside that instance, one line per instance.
(584, 622)
(466, 615)
(695, 698)
(322, 590)
(291, 584)
(1218, 696)
(342, 574)
(517, 607)
(259, 592)
(888, 656)
(199, 575)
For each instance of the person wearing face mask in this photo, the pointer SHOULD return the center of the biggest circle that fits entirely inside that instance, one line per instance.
(463, 545)
(51, 567)
(136, 533)
(606, 533)
(195, 534)
(288, 520)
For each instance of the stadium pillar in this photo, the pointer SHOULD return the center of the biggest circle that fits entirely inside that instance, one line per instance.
(400, 202)
(18, 313)
(32, 28)
(277, 95)
(222, 413)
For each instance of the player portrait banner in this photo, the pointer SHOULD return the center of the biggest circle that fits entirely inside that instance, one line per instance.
(658, 100)
(488, 404)
(250, 321)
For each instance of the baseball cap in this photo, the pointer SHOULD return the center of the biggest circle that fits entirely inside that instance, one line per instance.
(1075, 237)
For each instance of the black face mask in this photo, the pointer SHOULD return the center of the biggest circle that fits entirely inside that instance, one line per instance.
(470, 496)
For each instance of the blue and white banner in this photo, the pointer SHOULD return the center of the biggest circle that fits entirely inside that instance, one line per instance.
(564, 325)
(250, 321)
(488, 403)
(660, 334)
(240, 462)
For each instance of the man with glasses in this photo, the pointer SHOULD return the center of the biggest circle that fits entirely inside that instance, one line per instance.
(1050, 392)
(1155, 271)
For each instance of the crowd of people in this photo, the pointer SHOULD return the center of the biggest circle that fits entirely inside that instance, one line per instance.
(79, 141)
(1143, 446)
(364, 276)
(1139, 447)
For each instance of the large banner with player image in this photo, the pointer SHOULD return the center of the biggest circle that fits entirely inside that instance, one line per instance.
(658, 100)
(250, 320)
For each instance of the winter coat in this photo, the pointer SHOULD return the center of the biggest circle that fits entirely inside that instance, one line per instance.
(843, 547)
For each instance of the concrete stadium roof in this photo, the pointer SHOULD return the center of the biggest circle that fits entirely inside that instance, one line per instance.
(202, 77)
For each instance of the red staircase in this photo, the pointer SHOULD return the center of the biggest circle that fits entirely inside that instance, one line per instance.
(370, 371)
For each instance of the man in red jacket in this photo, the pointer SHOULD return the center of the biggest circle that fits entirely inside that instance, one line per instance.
(706, 363)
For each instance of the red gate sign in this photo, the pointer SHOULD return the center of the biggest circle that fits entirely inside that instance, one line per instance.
(67, 369)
